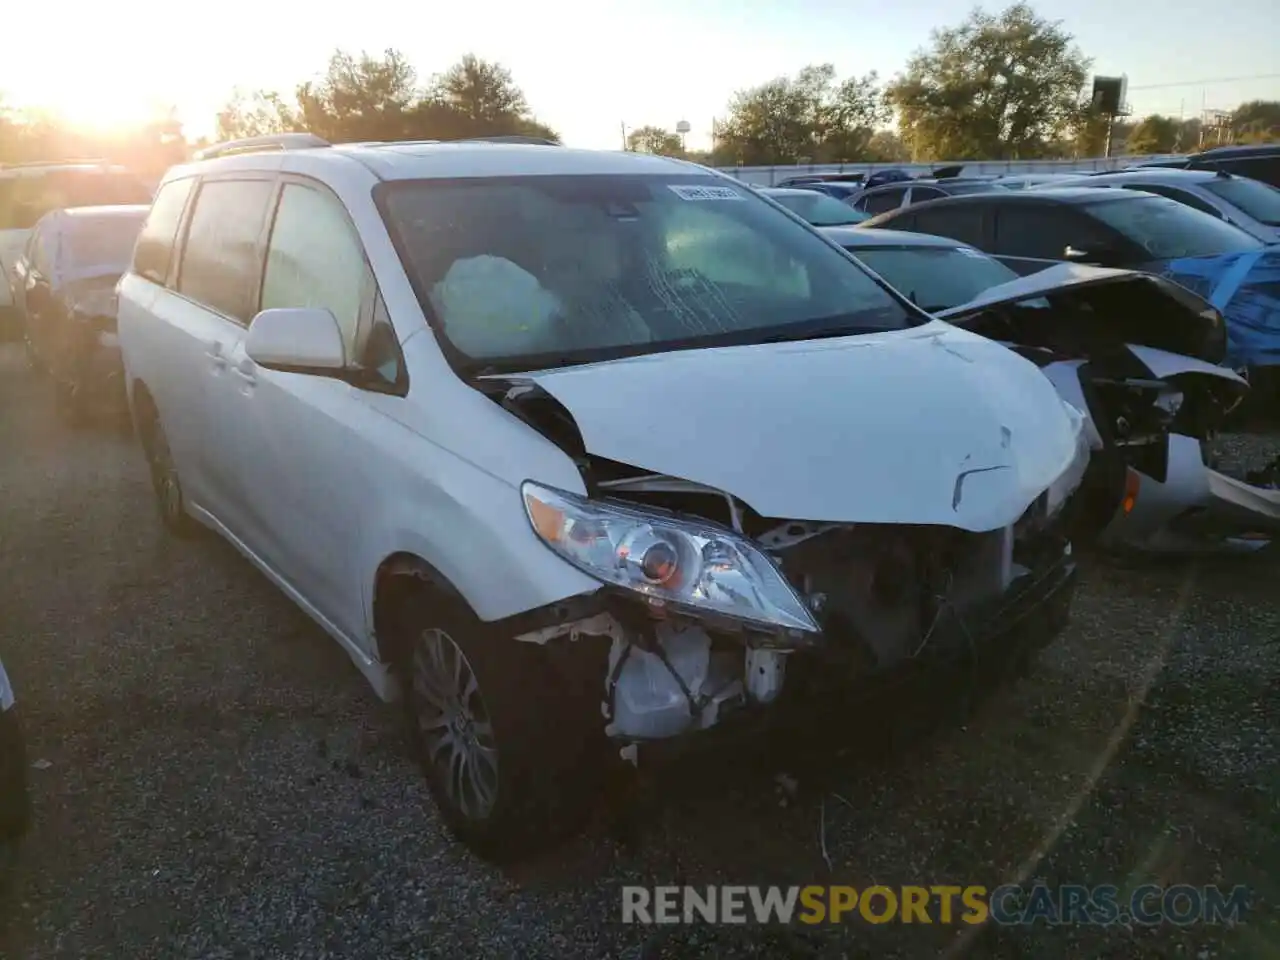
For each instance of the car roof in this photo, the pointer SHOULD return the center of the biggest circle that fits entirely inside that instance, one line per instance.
(1169, 175)
(1071, 195)
(870, 239)
(786, 192)
(430, 160)
(1252, 150)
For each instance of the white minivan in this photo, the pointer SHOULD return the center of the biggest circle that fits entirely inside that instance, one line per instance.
(583, 453)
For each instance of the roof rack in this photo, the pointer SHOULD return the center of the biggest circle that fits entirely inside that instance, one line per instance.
(274, 141)
(513, 138)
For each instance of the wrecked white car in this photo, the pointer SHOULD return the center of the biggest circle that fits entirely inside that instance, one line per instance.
(584, 452)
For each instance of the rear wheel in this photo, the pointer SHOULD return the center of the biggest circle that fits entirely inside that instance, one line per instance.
(165, 482)
(507, 752)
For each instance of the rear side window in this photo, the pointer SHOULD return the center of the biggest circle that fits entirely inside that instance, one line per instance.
(222, 256)
(961, 222)
(154, 250)
(883, 202)
(1045, 232)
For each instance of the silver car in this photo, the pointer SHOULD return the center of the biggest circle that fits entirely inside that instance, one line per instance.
(1251, 205)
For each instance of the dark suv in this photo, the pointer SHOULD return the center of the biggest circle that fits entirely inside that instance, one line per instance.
(1258, 163)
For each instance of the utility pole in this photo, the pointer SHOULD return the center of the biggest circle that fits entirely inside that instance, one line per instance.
(623, 125)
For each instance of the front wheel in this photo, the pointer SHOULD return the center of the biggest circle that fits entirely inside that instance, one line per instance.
(506, 752)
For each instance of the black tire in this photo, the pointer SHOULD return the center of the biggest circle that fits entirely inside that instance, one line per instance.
(538, 741)
(166, 485)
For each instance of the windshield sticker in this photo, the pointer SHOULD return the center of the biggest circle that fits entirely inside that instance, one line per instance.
(686, 192)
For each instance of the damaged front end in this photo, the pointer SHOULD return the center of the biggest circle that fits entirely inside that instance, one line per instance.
(714, 616)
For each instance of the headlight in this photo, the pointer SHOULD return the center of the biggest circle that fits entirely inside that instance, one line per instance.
(702, 567)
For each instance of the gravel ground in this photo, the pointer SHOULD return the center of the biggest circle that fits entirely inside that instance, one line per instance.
(213, 779)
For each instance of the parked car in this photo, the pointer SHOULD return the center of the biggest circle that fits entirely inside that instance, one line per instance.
(30, 190)
(15, 805)
(570, 449)
(1031, 230)
(841, 191)
(1021, 181)
(876, 200)
(1259, 162)
(1137, 353)
(815, 208)
(1249, 204)
(64, 292)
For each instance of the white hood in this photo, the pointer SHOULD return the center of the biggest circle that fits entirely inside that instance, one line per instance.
(931, 425)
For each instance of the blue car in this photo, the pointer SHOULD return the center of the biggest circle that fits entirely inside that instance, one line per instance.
(1031, 230)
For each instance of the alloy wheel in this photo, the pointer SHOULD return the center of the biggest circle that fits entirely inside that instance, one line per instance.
(454, 724)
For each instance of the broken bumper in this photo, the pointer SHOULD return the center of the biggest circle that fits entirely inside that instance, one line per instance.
(1028, 619)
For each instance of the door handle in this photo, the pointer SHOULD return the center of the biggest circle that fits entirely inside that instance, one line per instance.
(245, 373)
(213, 350)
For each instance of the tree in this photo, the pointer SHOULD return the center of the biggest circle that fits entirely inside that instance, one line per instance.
(995, 87)
(806, 118)
(360, 98)
(254, 114)
(885, 146)
(379, 98)
(1153, 134)
(1257, 121)
(656, 140)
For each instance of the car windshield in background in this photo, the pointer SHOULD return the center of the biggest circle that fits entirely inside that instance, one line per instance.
(820, 209)
(982, 186)
(25, 199)
(1258, 200)
(936, 278)
(567, 269)
(1169, 230)
(105, 241)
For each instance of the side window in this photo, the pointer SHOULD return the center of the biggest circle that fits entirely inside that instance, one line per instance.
(1173, 193)
(382, 355)
(921, 194)
(315, 259)
(222, 254)
(884, 201)
(154, 250)
(1043, 232)
(962, 222)
(42, 252)
(32, 251)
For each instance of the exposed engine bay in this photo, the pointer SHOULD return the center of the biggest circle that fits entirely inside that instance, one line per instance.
(880, 595)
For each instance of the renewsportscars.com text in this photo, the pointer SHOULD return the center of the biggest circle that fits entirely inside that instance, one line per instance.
(1007, 905)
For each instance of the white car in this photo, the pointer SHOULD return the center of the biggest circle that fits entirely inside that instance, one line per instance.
(582, 449)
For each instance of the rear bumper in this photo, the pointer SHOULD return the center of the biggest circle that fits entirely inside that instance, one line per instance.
(817, 691)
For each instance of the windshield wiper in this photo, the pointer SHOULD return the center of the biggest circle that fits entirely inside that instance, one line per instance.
(824, 333)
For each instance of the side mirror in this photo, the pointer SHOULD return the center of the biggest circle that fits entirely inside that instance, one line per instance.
(297, 340)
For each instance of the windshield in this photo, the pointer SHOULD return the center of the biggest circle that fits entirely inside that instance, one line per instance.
(102, 241)
(1169, 230)
(25, 199)
(1258, 200)
(936, 278)
(819, 209)
(567, 269)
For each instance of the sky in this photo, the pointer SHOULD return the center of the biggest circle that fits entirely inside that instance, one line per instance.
(590, 66)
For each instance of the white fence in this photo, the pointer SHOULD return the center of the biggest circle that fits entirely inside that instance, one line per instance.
(767, 176)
